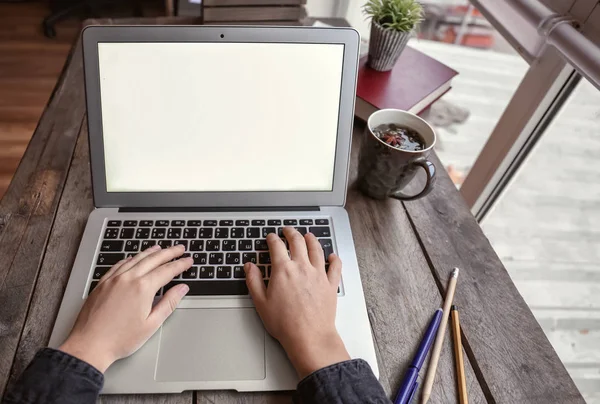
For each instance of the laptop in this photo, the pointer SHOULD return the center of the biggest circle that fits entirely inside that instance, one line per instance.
(213, 137)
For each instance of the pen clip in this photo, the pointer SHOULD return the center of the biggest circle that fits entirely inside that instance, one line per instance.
(412, 393)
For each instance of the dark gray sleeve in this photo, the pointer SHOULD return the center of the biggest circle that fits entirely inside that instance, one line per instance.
(346, 382)
(55, 377)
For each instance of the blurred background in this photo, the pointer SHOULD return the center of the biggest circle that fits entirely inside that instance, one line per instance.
(518, 132)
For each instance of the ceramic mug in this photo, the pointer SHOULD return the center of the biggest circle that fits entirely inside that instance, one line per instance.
(384, 170)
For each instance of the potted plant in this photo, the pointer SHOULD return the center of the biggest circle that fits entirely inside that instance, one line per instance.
(392, 23)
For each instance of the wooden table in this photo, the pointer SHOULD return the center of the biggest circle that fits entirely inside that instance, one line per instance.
(405, 252)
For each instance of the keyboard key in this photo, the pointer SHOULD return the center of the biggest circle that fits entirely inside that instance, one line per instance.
(301, 230)
(132, 245)
(197, 245)
(93, 286)
(111, 233)
(199, 258)
(100, 271)
(190, 233)
(228, 245)
(321, 222)
(213, 245)
(327, 246)
(280, 232)
(267, 230)
(165, 243)
(127, 233)
(248, 257)
(223, 272)
(263, 270)
(242, 223)
(290, 222)
(207, 272)
(260, 245)
(142, 233)
(252, 232)
(225, 222)
(159, 233)
(196, 223)
(212, 288)
(113, 223)
(111, 245)
(185, 255)
(147, 244)
(238, 272)
(245, 245)
(215, 258)
(130, 255)
(264, 258)
(130, 223)
(237, 232)
(205, 232)
(258, 223)
(174, 233)
(232, 258)
(306, 222)
(178, 223)
(162, 223)
(320, 231)
(146, 223)
(210, 222)
(109, 258)
(222, 232)
(274, 222)
(181, 242)
(191, 273)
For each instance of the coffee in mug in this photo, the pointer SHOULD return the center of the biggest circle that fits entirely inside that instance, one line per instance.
(395, 145)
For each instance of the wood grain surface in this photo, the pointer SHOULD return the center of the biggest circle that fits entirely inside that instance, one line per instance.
(28, 208)
(400, 292)
(512, 357)
(30, 65)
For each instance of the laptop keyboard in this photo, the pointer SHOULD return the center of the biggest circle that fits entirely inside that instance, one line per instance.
(219, 248)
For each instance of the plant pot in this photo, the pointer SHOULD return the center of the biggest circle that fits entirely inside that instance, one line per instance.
(385, 47)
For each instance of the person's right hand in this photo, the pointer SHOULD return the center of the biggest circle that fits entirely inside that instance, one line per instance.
(298, 308)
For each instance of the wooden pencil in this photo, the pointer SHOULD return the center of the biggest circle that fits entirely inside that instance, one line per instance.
(458, 357)
(439, 339)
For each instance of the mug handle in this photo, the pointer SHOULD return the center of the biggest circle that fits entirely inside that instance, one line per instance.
(429, 170)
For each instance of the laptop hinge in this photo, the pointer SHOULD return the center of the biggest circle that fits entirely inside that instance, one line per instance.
(223, 209)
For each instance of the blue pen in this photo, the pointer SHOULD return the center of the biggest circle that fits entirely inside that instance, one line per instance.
(409, 383)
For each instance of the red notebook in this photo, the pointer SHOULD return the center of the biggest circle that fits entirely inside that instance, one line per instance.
(414, 83)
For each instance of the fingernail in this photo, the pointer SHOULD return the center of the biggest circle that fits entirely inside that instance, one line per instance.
(155, 247)
(183, 289)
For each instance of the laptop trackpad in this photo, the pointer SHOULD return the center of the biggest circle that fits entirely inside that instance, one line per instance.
(211, 345)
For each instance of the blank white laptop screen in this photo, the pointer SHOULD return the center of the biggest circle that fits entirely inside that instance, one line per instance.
(194, 117)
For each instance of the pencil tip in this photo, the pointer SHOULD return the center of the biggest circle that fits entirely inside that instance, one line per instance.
(453, 307)
(455, 273)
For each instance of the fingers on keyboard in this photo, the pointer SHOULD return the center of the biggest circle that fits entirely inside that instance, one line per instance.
(218, 247)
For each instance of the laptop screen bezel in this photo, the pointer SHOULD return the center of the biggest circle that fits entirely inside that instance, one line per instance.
(93, 35)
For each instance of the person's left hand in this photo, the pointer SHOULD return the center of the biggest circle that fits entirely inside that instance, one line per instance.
(118, 317)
